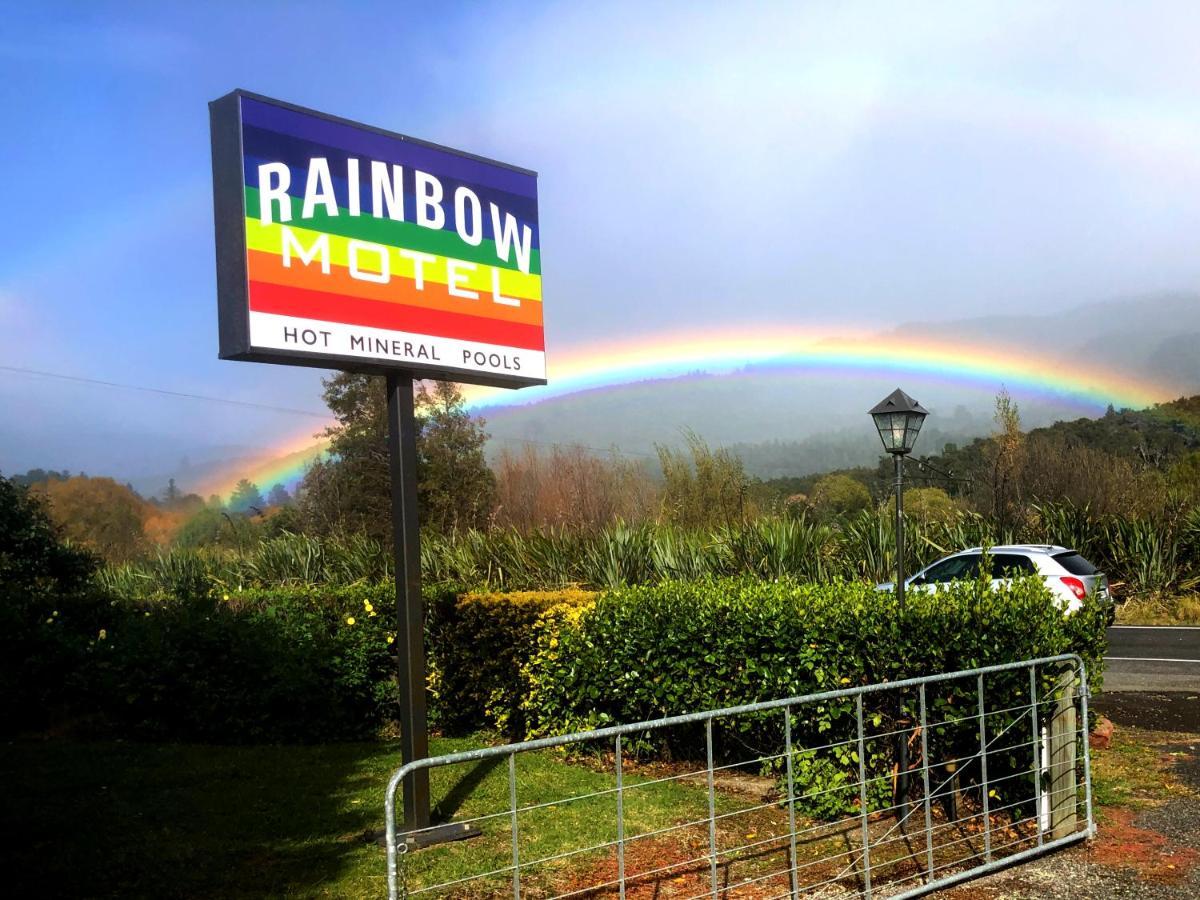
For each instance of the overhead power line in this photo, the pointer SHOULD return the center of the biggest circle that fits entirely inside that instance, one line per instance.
(163, 392)
(79, 379)
(948, 476)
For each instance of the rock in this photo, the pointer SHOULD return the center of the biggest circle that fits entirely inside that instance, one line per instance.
(1101, 736)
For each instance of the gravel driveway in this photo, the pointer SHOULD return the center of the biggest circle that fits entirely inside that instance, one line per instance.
(1148, 842)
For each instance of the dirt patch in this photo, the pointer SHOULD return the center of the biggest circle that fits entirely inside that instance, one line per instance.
(1148, 836)
(676, 868)
(676, 864)
(1150, 854)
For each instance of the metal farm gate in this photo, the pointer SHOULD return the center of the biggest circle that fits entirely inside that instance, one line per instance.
(797, 797)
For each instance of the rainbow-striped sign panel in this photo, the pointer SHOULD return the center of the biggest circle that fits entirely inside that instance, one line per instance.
(344, 246)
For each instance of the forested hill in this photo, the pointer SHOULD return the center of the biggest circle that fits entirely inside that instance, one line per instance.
(1156, 436)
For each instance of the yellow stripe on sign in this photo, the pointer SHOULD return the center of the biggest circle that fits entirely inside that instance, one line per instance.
(471, 276)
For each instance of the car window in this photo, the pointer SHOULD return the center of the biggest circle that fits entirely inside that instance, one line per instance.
(1075, 564)
(952, 569)
(1011, 565)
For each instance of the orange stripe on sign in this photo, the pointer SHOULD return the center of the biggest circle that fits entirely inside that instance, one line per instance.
(326, 307)
(269, 268)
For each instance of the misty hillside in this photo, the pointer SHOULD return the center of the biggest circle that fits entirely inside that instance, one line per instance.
(846, 448)
(810, 422)
(1155, 336)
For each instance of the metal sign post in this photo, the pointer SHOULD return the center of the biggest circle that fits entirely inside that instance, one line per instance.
(410, 614)
(410, 617)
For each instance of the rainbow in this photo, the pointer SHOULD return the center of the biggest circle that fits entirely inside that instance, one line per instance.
(775, 351)
(1086, 385)
(283, 464)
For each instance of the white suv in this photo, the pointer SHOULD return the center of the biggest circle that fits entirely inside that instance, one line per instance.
(1069, 576)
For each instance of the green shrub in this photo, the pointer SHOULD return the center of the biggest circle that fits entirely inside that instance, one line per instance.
(49, 610)
(478, 644)
(839, 495)
(647, 652)
(281, 665)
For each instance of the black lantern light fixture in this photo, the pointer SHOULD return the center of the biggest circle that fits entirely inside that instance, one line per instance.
(898, 418)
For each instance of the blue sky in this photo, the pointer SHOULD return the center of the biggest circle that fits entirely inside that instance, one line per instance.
(803, 163)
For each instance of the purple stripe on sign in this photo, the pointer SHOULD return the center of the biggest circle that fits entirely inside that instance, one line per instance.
(379, 146)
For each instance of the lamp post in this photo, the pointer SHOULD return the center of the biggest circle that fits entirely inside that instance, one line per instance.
(898, 419)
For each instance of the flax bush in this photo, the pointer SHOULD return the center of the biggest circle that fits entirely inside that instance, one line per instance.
(1144, 557)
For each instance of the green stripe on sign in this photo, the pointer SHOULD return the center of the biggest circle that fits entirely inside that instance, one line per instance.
(400, 234)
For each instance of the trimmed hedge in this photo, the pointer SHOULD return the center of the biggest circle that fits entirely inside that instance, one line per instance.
(312, 663)
(296, 664)
(477, 645)
(299, 665)
(648, 652)
(318, 663)
(645, 652)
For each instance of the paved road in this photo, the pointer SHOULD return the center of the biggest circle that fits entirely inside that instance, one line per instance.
(1159, 658)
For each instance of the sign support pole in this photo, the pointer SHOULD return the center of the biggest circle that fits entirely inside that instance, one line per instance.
(410, 619)
(410, 637)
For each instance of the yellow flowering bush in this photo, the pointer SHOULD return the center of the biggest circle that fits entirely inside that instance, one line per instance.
(478, 643)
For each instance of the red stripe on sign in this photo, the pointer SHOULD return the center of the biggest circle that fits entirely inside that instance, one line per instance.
(328, 307)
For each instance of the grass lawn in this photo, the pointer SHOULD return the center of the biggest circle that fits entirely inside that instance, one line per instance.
(129, 819)
(1135, 773)
(117, 819)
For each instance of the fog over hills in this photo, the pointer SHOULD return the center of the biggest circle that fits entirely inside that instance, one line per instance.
(1156, 336)
(818, 420)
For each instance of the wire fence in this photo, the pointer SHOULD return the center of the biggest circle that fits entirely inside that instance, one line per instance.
(884, 790)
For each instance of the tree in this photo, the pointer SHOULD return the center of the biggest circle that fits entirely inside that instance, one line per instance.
(839, 495)
(35, 476)
(48, 609)
(571, 487)
(351, 489)
(102, 515)
(1056, 468)
(455, 487)
(246, 498)
(1006, 454)
(33, 556)
(279, 496)
(703, 487)
(203, 528)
